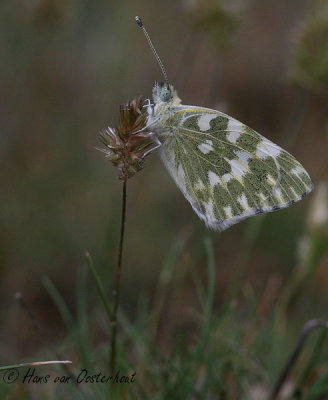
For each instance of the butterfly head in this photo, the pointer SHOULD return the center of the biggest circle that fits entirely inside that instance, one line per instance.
(165, 93)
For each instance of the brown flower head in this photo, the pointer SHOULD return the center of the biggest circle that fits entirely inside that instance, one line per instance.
(125, 148)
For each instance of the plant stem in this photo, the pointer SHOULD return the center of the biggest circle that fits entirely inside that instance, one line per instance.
(100, 287)
(308, 328)
(116, 293)
(33, 364)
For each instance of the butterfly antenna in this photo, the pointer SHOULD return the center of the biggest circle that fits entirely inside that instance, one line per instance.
(141, 25)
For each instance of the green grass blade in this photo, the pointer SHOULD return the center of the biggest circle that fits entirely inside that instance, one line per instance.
(33, 364)
(319, 389)
(59, 301)
(210, 278)
(82, 317)
(100, 287)
(314, 359)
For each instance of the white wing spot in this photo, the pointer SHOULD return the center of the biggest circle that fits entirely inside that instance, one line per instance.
(204, 121)
(296, 171)
(242, 200)
(233, 136)
(266, 149)
(234, 127)
(278, 195)
(206, 147)
(274, 150)
(181, 177)
(213, 178)
(181, 172)
(228, 212)
(238, 169)
(227, 177)
(209, 211)
(243, 156)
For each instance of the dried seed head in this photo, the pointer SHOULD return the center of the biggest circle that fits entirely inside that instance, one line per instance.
(125, 148)
(309, 67)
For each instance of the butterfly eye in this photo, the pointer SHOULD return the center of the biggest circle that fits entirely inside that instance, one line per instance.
(165, 94)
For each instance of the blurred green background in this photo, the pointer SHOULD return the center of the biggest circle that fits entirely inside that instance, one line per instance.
(65, 68)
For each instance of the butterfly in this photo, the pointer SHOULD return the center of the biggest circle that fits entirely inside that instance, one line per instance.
(226, 170)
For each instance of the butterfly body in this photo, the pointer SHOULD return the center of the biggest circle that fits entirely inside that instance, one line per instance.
(226, 170)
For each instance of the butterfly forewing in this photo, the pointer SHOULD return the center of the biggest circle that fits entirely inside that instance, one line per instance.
(226, 170)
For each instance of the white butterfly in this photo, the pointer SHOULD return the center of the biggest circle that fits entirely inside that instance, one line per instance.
(226, 170)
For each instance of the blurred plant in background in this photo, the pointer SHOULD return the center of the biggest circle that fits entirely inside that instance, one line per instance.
(313, 246)
(46, 12)
(217, 19)
(309, 69)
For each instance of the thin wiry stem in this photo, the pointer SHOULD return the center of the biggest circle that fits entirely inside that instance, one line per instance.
(308, 328)
(116, 293)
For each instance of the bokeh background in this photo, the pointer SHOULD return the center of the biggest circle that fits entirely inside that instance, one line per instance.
(65, 68)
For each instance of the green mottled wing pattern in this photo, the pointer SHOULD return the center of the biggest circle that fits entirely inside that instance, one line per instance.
(227, 171)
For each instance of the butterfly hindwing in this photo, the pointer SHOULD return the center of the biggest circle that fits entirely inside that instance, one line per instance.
(226, 170)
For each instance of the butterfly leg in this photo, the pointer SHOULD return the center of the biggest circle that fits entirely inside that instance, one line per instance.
(149, 104)
(157, 144)
(146, 127)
